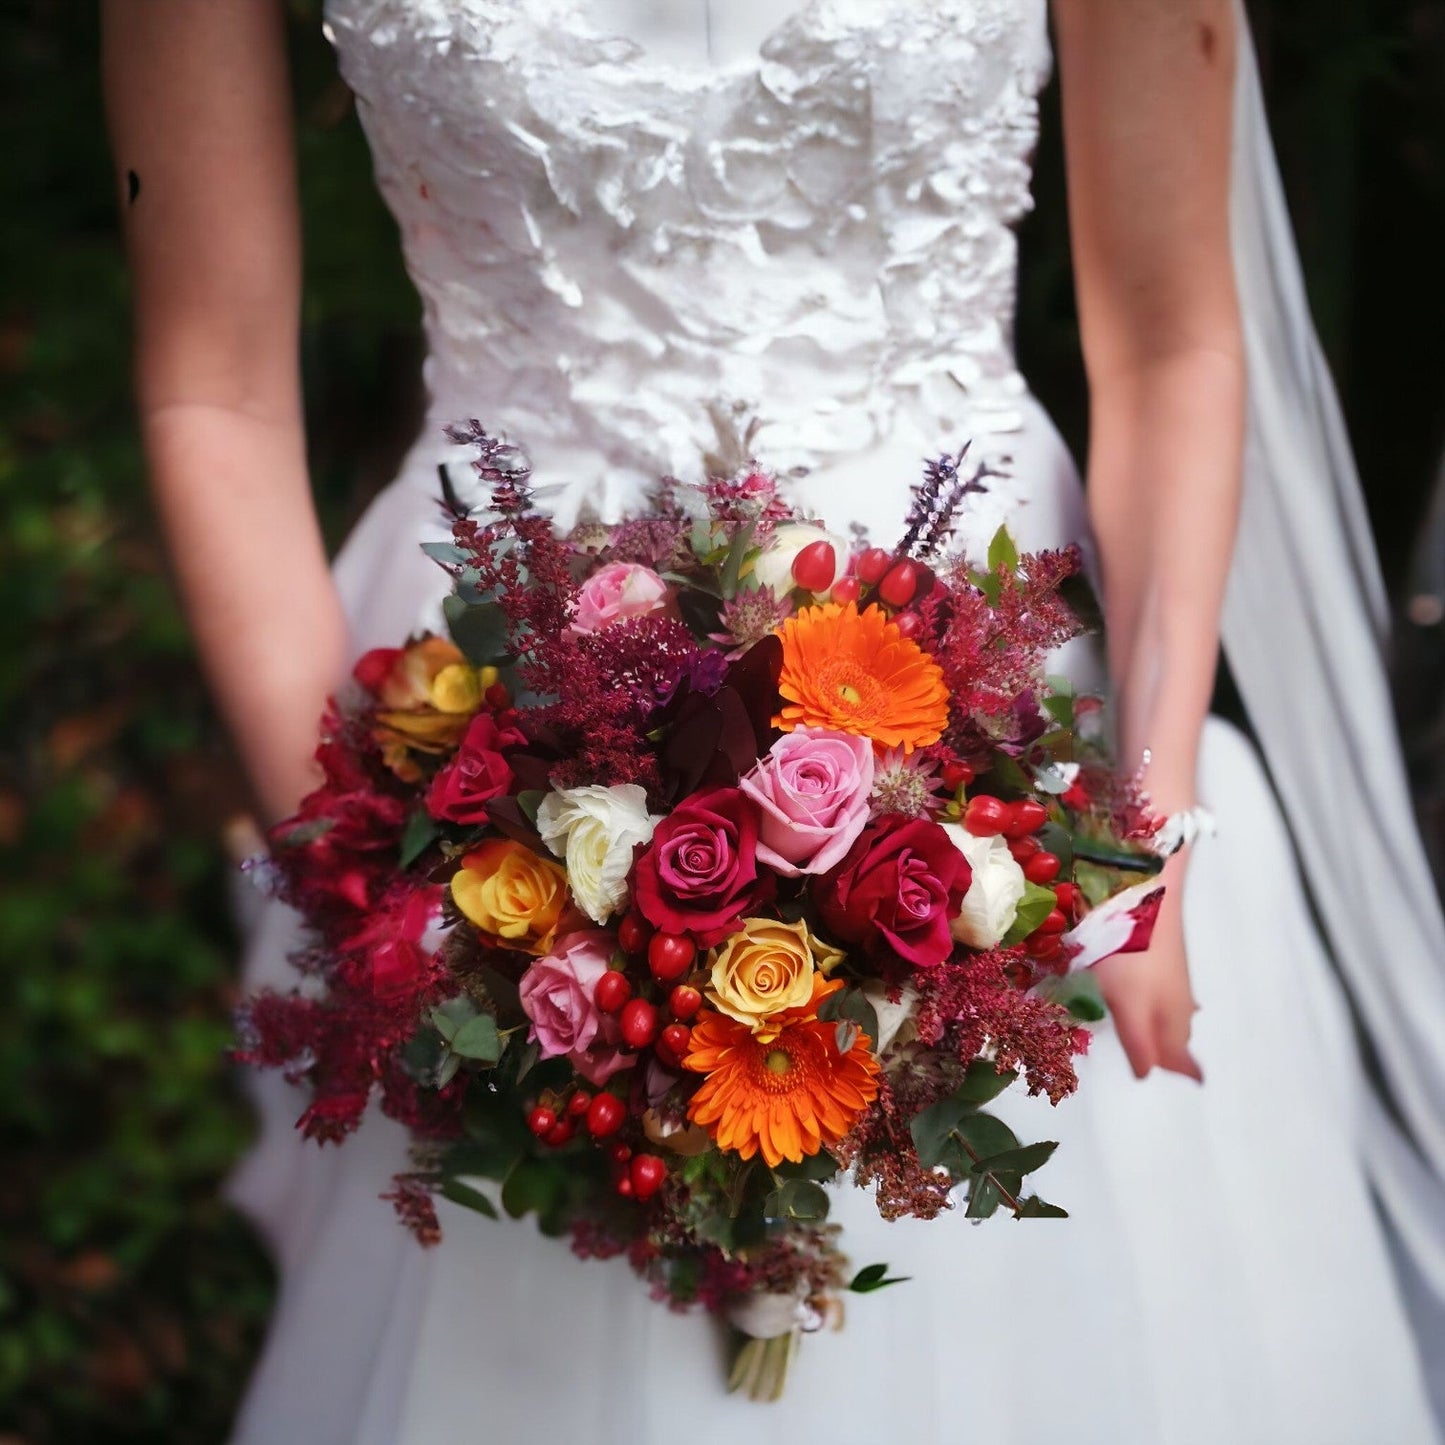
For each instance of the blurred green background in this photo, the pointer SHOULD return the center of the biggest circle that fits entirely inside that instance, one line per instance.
(131, 1300)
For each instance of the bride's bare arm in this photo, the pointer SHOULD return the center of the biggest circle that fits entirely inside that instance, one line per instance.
(1147, 94)
(198, 105)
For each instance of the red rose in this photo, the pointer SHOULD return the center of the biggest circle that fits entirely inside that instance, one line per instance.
(699, 875)
(896, 891)
(479, 772)
(386, 954)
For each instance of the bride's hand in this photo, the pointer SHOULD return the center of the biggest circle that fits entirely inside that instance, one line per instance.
(1148, 993)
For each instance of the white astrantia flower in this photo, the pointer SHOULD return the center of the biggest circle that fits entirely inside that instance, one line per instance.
(594, 830)
(774, 565)
(992, 901)
(895, 1019)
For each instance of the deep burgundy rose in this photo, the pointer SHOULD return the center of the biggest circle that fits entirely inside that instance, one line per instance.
(896, 891)
(699, 875)
(478, 773)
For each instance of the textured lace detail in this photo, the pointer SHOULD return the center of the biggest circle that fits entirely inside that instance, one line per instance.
(605, 242)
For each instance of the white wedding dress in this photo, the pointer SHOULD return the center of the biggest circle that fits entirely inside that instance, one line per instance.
(617, 212)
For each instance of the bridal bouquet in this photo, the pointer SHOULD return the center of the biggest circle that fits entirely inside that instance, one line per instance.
(709, 859)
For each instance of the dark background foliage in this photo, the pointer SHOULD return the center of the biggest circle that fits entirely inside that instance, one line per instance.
(131, 1298)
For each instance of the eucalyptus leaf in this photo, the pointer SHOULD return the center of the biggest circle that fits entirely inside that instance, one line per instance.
(873, 1277)
(420, 833)
(985, 1135)
(932, 1126)
(448, 1017)
(446, 1070)
(479, 629)
(1034, 1208)
(1023, 1160)
(532, 1186)
(448, 553)
(1002, 552)
(984, 1081)
(1035, 906)
(478, 1039)
(465, 1195)
(1079, 993)
(983, 1199)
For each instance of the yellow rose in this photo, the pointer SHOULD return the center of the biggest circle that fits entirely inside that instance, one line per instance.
(428, 693)
(512, 895)
(763, 970)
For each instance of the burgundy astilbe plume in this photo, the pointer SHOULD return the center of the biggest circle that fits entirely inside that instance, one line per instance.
(991, 654)
(967, 1006)
(880, 1148)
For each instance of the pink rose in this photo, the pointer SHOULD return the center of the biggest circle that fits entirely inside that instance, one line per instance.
(478, 773)
(557, 995)
(812, 794)
(616, 592)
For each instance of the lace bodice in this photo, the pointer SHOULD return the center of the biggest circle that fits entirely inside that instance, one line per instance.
(607, 239)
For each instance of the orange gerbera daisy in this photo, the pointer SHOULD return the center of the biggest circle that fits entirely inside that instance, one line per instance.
(787, 1098)
(854, 672)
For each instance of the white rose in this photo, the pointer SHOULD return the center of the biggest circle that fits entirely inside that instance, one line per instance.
(992, 901)
(594, 830)
(774, 566)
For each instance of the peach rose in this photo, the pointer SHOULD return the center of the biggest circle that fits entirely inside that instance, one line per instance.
(511, 895)
(764, 969)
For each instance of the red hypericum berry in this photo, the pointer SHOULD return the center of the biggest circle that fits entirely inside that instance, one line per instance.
(871, 566)
(900, 583)
(670, 955)
(541, 1120)
(624, 1186)
(578, 1104)
(612, 990)
(1049, 946)
(1042, 868)
(619, 1153)
(985, 816)
(1025, 817)
(633, 933)
(1024, 848)
(647, 1172)
(559, 1134)
(639, 1023)
(1067, 896)
(1054, 923)
(605, 1115)
(674, 1039)
(909, 624)
(1076, 798)
(956, 775)
(815, 567)
(845, 590)
(684, 1001)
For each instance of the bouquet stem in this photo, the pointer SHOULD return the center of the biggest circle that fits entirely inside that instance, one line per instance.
(760, 1367)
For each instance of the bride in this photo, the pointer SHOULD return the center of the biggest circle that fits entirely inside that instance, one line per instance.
(621, 214)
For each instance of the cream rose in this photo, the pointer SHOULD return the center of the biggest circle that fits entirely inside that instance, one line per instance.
(594, 830)
(992, 901)
(763, 969)
(895, 1020)
(774, 565)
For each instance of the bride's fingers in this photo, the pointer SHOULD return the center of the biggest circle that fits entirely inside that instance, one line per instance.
(1137, 1035)
(1172, 1027)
